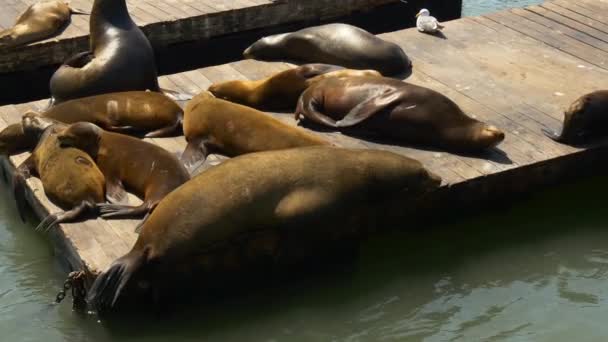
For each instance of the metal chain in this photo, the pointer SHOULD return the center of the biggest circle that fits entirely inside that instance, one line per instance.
(74, 282)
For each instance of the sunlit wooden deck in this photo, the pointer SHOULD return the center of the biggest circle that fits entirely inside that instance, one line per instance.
(517, 69)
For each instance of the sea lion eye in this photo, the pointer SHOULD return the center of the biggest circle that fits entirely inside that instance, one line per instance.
(82, 160)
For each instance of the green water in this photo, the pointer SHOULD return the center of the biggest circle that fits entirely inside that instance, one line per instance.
(536, 271)
(478, 7)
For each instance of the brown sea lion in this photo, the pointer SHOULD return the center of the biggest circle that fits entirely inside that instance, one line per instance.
(69, 176)
(281, 90)
(338, 44)
(585, 120)
(120, 57)
(13, 140)
(309, 191)
(396, 110)
(122, 111)
(149, 171)
(39, 21)
(213, 125)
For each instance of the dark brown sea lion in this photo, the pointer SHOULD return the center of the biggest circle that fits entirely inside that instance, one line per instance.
(396, 110)
(338, 44)
(122, 111)
(149, 171)
(69, 176)
(213, 125)
(40, 21)
(281, 90)
(585, 120)
(309, 191)
(120, 57)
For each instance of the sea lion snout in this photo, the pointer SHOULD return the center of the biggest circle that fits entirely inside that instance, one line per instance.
(434, 181)
(490, 136)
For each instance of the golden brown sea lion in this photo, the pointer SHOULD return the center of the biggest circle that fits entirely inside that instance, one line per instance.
(40, 21)
(281, 90)
(120, 57)
(149, 171)
(123, 111)
(338, 44)
(309, 191)
(585, 120)
(213, 125)
(69, 176)
(397, 110)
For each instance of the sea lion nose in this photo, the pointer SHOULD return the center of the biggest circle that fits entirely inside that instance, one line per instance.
(493, 134)
(435, 180)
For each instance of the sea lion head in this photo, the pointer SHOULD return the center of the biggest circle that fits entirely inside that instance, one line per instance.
(486, 136)
(13, 139)
(197, 100)
(236, 91)
(35, 124)
(577, 119)
(82, 135)
(265, 48)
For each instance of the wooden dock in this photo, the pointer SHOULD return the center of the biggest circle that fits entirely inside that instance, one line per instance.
(171, 22)
(516, 69)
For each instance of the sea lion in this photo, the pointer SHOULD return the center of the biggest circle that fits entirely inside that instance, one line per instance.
(213, 125)
(120, 57)
(13, 140)
(149, 171)
(281, 90)
(338, 44)
(396, 110)
(39, 21)
(585, 120)
(69, 176)
(309, 191)
(122, 112)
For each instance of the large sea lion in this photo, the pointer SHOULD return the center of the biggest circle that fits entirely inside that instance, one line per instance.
(69, 176)
(281, 90)
(149, 171)
(213, 125)
(338, 44)
(310, 191)
(147, 111)
(585, 120)
(120, 57)
(396, 110)
(39, 21)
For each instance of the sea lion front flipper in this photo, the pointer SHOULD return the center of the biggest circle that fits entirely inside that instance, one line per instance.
(79, 60)
(66, 216)
(115, 191)
(165, 131)
(308, 107)
(22, 173)
(176, 95)
(196, 152)
(368, 108)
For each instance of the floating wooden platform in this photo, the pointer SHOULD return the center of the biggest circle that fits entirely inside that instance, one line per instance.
(516, 69)
(169, 22)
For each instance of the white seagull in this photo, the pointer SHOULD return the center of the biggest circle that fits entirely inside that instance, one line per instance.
(426, 23)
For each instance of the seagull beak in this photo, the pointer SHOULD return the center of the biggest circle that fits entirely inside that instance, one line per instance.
(417, 15)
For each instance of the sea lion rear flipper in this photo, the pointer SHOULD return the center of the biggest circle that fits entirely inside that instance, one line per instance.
(66, 216)
(21, 174)
(552, 135)
(78, 11)
(165, 131)
(115, 191)
(368, 108)
(195, 153)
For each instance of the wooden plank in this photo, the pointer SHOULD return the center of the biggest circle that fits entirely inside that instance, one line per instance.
(554, 7)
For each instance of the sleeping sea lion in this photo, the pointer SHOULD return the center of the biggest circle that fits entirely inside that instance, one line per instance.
(396, 110)
(69, 176)
(281, 90)
(13, 140)
(39, 21)
(149, 171)
(128, 111)
(309, 191)
(585, 120)
(338, 44)
(120, 57)
(213, 125)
